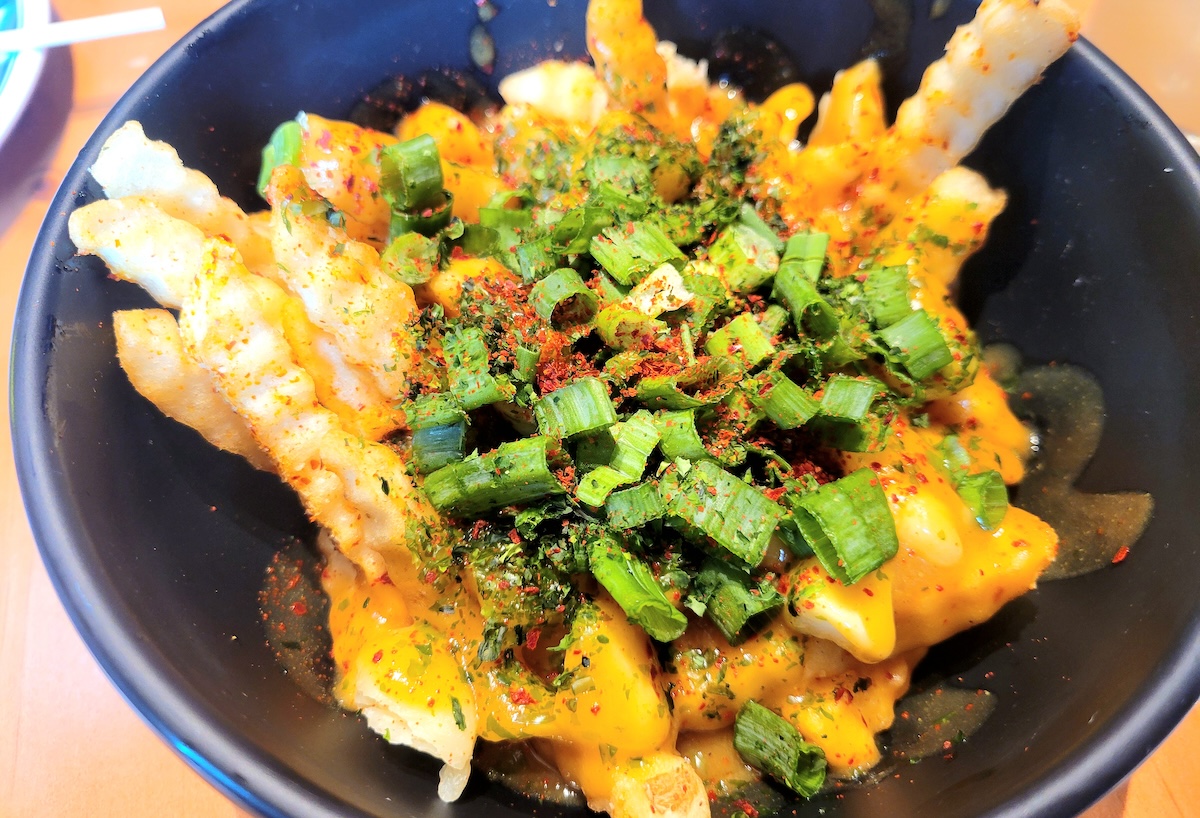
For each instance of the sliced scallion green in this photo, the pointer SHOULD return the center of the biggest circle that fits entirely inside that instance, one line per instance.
(633, 587)
(471, 383)
(516, 472)
(768, 742)
(784, 401)
(704, 383)
(734, 514)
(634, 507)
(631, 251)
(283, 149)
(849, 398)
(436, 446)
(805, 253)
(731, 598)
(679, 435)
(886, 291)
(746, 258)
(742, 339)
(411, 174)
(918, 344)
(411, 258)
(849, 525)
(580, 407)
(987, 497)
(564, 300)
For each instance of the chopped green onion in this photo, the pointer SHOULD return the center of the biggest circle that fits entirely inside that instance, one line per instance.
(849, 525)
(628, 173)
(734, 514)
(805, 253)
(503, 218)
(773, 319)
(434, 410)
(636, 440)
(516, 472)
(527, 363)
(742, 339)
(411, 258)
(632, 251)
(283, 149)
(679, 435)
(427, 221)
(848, 398)
(784, 401)
(710, 297)
(574, 231)
(886, 291)
(467, 369)
(436, 446)
(579, 407)
(621, 327)
(747, 260)
(411, 174)
(731, 598)
(633, 587)
(595, 486)
(618, 201)
(987, 497)
(811, 313)
(535, 259)
(918, 344)
(607, 290)
(955, 459)
(750, 218)
(564, 300)
(703, 383)
(867, 435)
(770, 743)
(633, 508)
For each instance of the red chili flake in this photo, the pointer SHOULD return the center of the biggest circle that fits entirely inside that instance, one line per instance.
(595, 708)
(1121, 554)
(325, 140)
(299, 608)
(1020, 544)
(514, 536)
(868, 592)
(519, 695)
(531, 639)
(504, 585)
(378, 657)
(746, 807)
(775, 493)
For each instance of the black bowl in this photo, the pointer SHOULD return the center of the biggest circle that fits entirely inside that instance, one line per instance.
(157, 543)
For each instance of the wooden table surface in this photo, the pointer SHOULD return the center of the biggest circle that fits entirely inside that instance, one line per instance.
(69, 745)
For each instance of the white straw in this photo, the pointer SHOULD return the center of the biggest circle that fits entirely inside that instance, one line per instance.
(78, 31)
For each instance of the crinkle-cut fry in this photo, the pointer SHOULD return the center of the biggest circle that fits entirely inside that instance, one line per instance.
(150, 350)
(939, 229)
(989, 63)
(624, 48)
(232, 324)
(141, 243)
(129, 164)
(340, 161)
(661, 785)
(853, 107)
(400, 674)
(568, 91)
(344, 290)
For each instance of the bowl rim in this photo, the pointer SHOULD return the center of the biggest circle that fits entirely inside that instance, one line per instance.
(252, 777)
(18, 87)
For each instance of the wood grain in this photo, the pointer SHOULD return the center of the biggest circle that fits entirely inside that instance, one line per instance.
(70, 747)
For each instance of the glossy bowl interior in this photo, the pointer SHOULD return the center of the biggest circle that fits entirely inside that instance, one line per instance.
(157, 543)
